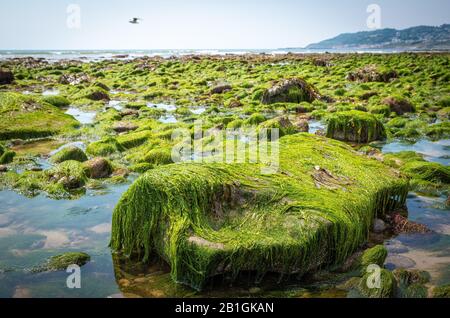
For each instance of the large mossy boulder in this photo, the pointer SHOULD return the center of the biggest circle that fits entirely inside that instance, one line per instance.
(355, 126)
(210, 219)
(295, 90)
(26, 117)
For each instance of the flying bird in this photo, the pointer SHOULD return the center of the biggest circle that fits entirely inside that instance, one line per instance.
(135, 20)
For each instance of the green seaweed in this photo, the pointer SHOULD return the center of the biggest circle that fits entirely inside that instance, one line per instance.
(69, 153)
(104, 147)
(26, 117)
(355, 126)
(211, 218)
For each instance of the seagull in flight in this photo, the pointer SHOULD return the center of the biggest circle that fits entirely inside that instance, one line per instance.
(135, 20)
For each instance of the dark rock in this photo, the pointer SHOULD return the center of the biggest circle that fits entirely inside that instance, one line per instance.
(321, 63)
(98, 95)
(368, 95)
(399, 106)
(294, 90)
(6, 77)
(379, 226)
(401, 224)
(98, 168)
(222, 88)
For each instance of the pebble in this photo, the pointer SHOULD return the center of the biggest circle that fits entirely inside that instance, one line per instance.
(379, 226)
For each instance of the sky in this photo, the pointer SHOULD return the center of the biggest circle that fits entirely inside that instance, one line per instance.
(199, 24)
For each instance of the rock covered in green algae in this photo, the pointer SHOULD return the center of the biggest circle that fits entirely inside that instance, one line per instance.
(411, 283)
(61, 262)
(281, 222)
(57, 101)
(283, 124)
(441, 292)
(70, 174)
(427, 171)
(255, 119)
(98, 168)
(375, 255)
(426, 177)
(372, 73)
(399, 105)
(295, 90)
(160, 156)
(370, 287)
(6, 156)
(69, 153)
(104, 147)
(355, 126)
(94, 93)
(26, 117)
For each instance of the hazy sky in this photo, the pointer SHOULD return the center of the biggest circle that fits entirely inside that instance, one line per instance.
(200, 24)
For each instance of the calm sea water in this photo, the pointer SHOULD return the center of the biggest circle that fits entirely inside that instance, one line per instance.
(94, 55)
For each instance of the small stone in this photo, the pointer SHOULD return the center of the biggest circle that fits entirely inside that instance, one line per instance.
(3, 168)
(379, 226)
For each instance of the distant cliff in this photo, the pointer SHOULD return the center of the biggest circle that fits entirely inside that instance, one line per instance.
(415, 38)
